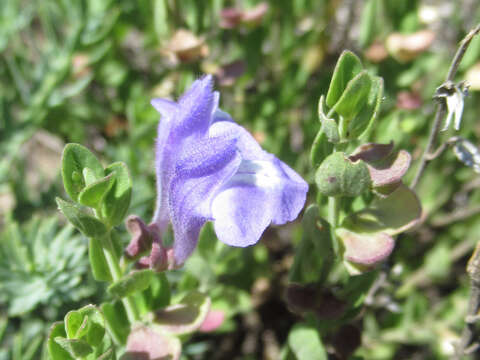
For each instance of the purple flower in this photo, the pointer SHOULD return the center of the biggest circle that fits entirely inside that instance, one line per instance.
(211, 169)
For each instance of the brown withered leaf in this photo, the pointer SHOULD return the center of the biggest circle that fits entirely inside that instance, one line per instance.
(185, 46)
(376, 53)
(233, 17)
(406, 47)
(407, 100)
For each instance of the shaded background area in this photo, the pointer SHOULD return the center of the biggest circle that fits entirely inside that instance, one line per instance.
(85, 71)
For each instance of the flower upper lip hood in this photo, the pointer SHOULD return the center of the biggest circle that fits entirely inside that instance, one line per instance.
(211, 169)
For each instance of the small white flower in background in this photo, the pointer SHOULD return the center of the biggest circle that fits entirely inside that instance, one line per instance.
(466, 152)
(454, 96)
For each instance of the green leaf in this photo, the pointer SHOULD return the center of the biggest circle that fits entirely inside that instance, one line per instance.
(338, 176)
(392, 215)
(89, 176)
(438, 262)
(314, 255)
(75, 325)
(108, 355)
(348, 66)
(231, 300)
(26, 295)
(87, 324)
(117, 200)
(75, 159)
(62, 93)
(3, 326)
(305, 343)
(32, 349)
(354, 97)
(93, 194)
(364, 121)
(329, 126)
(158, 294)
(321, 148)
(75, 347)
(56, 351)
(133, 282)
(185, 317)
(87, 224)
(116, 321)
(368, 23)
(99, 24)
(355, 291)
(207, 242)
(99, 265)
(160, 17)
(471, 55)
(13, 244)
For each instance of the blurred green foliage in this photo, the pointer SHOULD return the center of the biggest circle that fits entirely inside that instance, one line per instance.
(85, 71)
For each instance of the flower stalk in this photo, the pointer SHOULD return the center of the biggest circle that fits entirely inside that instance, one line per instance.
(442, 106)
(114, 267)
(333, 216)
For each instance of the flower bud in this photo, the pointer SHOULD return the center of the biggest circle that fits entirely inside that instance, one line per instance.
(141, 240)
(340, 176)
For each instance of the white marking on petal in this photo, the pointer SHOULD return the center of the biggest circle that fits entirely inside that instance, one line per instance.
(260, 173)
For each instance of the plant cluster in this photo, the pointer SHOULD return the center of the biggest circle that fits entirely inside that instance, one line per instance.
(325, 206)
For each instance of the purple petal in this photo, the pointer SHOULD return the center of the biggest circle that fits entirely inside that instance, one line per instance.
(246, 144)
(294, 194)
(261, 192)
(164, 171)
(202, 170)
(241, 214)
(218, 114)
(167, 108)
(192, 115)
(251, 150)
(195, 108)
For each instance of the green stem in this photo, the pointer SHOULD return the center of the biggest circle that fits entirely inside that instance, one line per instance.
(330, 113)
(333, 214)
(114, 267)
(342, 130)
(294, 274)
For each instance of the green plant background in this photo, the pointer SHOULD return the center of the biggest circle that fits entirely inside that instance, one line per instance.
(85, 71)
